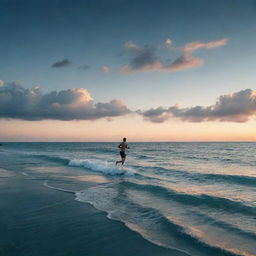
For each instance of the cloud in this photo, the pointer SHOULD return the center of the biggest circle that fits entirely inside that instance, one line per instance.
(145, 58)
(236, 107)
(61, 63)
(72, 104)
(187, 60)
(1, 83)
(84, 67)
(105, 69)
(17, 102)
(131, 46)
(190, 47)
(168, 42)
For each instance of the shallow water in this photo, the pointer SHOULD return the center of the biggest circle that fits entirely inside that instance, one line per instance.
(197, 198)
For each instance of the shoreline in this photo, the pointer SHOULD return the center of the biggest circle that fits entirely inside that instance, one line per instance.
(41, 221)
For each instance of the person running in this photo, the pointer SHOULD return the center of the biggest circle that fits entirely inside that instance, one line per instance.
(123, 146)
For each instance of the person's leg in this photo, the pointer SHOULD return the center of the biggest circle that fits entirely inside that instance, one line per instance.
(123, 158)
(118, 162)
(122, 154)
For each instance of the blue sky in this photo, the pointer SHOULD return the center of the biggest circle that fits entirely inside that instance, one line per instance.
(37, 34)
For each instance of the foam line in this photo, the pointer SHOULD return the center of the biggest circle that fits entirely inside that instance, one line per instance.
(58, 189)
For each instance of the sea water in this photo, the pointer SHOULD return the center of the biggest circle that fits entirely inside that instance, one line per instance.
(197, 198)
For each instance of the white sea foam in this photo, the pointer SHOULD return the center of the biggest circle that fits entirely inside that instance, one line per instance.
(59, 189)
(103, 166)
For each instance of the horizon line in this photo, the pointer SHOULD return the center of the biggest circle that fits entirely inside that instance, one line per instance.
(196, 141)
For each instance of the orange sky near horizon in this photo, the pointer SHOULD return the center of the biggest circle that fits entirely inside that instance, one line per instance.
(131, 126)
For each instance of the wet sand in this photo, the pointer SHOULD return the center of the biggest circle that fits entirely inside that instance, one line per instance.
(36, 220)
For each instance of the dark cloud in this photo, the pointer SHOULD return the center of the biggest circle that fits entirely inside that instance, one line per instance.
(145, 58)
(84, 67)
(236, 107)
(30, 104)
(61, 63)
(185, 61)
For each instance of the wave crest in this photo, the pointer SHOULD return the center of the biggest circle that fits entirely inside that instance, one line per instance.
(101, 166)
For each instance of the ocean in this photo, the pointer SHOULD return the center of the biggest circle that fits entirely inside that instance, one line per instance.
(190, 198)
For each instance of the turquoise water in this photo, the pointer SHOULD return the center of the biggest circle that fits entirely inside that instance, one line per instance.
(196, 198)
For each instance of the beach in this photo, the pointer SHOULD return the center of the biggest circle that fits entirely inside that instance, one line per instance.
(127, 128)
(55, 204)
(36, 220)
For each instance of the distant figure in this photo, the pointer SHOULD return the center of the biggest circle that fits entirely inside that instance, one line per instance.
(123, 146)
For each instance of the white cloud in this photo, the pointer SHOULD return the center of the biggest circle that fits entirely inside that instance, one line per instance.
(76, 103)
(168, 42)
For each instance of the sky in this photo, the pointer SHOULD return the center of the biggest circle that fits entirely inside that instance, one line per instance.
(101, 70)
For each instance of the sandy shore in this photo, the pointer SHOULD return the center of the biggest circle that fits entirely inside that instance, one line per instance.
(36, 220)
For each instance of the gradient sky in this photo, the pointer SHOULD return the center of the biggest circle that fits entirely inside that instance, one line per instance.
(59, 45)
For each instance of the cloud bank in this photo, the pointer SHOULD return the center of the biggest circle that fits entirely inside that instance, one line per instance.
(17, 102)
(61, 63)
(145, 58)
(72, 104)
(236, 107)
